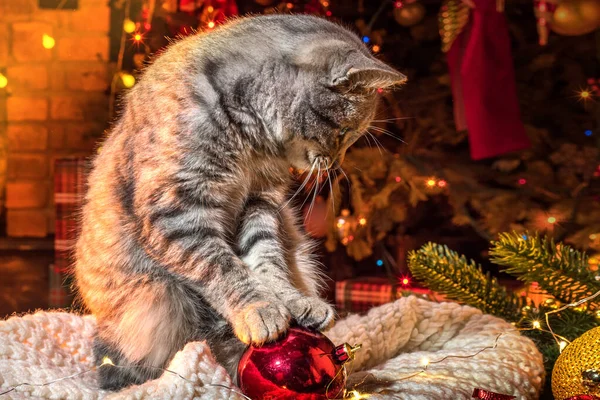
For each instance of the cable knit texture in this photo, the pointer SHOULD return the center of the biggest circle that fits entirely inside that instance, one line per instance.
(44, 346)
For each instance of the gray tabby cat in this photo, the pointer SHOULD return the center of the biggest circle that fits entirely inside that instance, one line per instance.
(186, 233)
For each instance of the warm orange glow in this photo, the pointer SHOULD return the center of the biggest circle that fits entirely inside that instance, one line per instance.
(210, 9)
(405, 281)
(128, 26)
(137, 37)
(325, 4)
(376, 49)
(289, 5)
(211, 24)
(362, 221)
(585, 94)
(442, 183)
(398, 179)
(551, 220)
(3, 81)
(340, 222)
(128, 80)
(431, 182)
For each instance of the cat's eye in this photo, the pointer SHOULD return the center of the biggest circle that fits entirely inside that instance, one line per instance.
(343, 131)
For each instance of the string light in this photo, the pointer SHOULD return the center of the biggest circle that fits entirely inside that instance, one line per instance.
(593, 236)
(128, 80)
(340, 222)
(362, 221)
(128, 25)
(588, 133)
(289, 5)
(325, 4)
(376, 49)
(137, 37)
(442, 183)
(210, 9)
(3, 81)
(398, 179)
(405, 281)
(425, 361)
(561, 345)
(431, 182)
(48, 41)
(536, 324)
(211, 24)
(398, 4)
(366, 39)
(328, 13)
(379, 263)
(522, 181)
(551, 220)
(585, 94)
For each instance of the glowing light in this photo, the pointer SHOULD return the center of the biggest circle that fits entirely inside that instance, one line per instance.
(379, 90)
(107, 361)
(542, 7)
(366, 39)
(593, 236)
(593, 261)
(425, 361)
(379, 263)
(289, 5)
(328, 13)
(376, 49)
(128, 26)
(524, 237)
(522, 181)
(431, 182)
(362, 221)
(325, 4)
(3, 81)
(398, 4)
(128, 80)
(340, 222)
(442, 183)
(561, 345)
(345, 241)
(345, 212)
(211, 24)
(398, 179)
(585, 94)
(137, 37)
(147, 26)
(551, 220)
(588, 133)
(355, 395)
(405, 281)
(48, 41)
(350, 238)
(536, 324)
(210, 9)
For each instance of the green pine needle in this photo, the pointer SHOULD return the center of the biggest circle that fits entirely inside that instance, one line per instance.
(558, 269)
(446, 272)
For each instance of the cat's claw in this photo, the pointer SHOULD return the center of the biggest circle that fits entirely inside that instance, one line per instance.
(260, 322)
(311, 312)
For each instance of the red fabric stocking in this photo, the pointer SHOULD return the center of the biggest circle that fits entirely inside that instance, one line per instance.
(483, 84)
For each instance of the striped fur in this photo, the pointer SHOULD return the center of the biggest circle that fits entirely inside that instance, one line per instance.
(186, 233)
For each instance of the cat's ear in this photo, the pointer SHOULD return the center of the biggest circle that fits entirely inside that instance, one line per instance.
(368, 74)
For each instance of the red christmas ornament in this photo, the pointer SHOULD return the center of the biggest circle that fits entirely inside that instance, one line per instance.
(487, 395)
(304, 365)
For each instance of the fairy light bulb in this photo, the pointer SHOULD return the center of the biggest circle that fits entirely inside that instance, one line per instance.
(561, 345)
(585, 94)
(128, 26)
(536, 324)
(211, 24)
(137, 37)
(551, 220)
(107, 361)
(3, 81)
(405, 281)
(340, 222)
(425, 361)
(362, 221)
(325, 4)
(289, 6)
(210, 9)
(376, 49)
(128, 80)
(431, 182)
(48, 41)
(442, 183)
(398, 179)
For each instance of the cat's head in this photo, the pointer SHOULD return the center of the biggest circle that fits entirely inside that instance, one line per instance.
(335, 102)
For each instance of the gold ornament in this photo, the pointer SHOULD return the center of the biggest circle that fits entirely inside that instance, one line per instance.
(409, 14)
(577, 369)
(576, 17)
(452, 19)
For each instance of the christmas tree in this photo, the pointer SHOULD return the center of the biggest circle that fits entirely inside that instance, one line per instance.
(563, 274)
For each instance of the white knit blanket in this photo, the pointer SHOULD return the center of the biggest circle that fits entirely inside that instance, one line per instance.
(395, 337)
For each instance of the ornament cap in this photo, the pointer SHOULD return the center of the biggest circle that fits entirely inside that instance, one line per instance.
(345, 353)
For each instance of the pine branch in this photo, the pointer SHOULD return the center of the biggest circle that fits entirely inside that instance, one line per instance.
(558, 269)
(446, 272)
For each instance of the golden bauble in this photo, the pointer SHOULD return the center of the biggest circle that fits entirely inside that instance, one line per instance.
(409, 14)
(576, 17)
(579, 360)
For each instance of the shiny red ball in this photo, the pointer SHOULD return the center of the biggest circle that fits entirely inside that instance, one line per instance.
(299, 366)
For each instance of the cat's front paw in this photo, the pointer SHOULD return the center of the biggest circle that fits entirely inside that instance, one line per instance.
(260, 322)
(311, 312)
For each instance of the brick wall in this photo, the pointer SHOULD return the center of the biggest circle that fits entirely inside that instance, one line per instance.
(55, 103)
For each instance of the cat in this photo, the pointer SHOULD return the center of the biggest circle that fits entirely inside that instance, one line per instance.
(187, 233)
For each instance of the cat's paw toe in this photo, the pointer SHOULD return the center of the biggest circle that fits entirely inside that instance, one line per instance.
(260, 322)
(311, 312)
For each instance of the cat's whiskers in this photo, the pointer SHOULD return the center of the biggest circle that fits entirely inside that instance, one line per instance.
(377, 142)
(392, 119)
(331, 189)
(386, 132)
(306, 180)
(314, 197)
